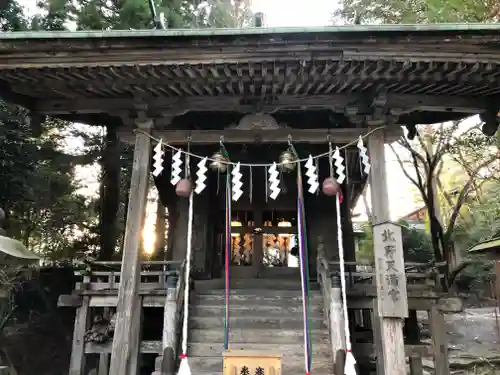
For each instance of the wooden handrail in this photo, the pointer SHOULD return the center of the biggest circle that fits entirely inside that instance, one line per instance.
(431, 270)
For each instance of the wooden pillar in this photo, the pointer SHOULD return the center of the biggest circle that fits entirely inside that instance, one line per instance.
(321, 227)
(169, 336)
(160, 228)
(347, 229)
(126, 340)
(77, 361)
(201, 219)
(439, 342)
(180, 231)
(388, 331)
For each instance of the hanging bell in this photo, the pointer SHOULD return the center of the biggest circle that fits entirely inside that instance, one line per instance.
(287, 161)
(183, 188)
(330, 187)
(218, 162)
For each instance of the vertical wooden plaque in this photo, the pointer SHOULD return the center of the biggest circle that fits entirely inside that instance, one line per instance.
(390, 271)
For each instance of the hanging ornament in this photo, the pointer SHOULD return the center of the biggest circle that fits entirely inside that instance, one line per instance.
(287, 161)
(219, 162)
(158, 159)
(201, 175)
(274, 181)
(338, 161)
(330, 187)
(183, 188)
(236, 181)
(176, 168)
(363, 154)
(312, 174)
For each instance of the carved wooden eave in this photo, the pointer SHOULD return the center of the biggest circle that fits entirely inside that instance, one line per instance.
(342, 75)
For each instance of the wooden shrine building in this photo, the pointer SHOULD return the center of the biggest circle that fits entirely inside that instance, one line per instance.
(255, 90)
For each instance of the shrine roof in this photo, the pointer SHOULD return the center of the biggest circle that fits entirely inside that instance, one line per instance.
(407, 73)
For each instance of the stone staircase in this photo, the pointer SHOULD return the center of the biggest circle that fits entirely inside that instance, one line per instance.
(265, 315)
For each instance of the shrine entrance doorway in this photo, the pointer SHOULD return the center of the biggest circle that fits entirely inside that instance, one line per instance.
(263, 241)
(264, 244)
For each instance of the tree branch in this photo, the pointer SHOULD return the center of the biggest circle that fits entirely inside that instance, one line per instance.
(463, 196)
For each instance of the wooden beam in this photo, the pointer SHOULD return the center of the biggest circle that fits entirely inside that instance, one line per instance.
(164, 79)
(125, 342)
(180, 137)
(399, 103)
(388, 332)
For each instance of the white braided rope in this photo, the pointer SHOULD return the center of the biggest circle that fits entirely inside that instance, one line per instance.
(188, 269)
(342, 275)
(350, 361)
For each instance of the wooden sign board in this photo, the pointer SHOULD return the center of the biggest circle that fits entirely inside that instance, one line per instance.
(390, 272)
(249, 362)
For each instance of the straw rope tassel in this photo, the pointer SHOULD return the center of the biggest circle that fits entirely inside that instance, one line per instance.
(350, 361)
(184, 366)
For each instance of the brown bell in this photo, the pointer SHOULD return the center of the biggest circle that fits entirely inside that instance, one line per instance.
(183, 188)
(330, 187)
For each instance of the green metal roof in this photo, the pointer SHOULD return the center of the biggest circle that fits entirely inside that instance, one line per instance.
(423, 28)
(482, 247)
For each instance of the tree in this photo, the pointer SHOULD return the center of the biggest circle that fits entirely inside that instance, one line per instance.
(476, 157)
(39, 195)
(419, 11)
(417, 246)
(12, 17)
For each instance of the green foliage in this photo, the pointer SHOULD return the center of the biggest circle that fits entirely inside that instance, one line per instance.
(39, 196)
(12, 16)
(485, 224)
(135, 14)
(417, 246)
(419, 11)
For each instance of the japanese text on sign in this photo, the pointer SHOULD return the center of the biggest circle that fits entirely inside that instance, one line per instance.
(389, 265)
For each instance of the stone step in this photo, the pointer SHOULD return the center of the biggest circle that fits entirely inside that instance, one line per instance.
(287, 350)
(290, 365)
(275, 309)
(257, 336)
(255, 294)
(255, 320)
(219, 284)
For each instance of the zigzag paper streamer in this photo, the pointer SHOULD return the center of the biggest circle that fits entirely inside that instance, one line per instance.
(176, 168)
(236, 182)
(339, 164)
(201, 175)
(274, 181)
(363, 153)
(313, 180)
(158, 159)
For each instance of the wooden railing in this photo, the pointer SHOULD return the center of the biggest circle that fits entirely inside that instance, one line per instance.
(332, 306)
(100, 276)
(419, 275)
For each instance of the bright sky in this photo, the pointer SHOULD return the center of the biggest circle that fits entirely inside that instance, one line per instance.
(295, 12)
(282, 13)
